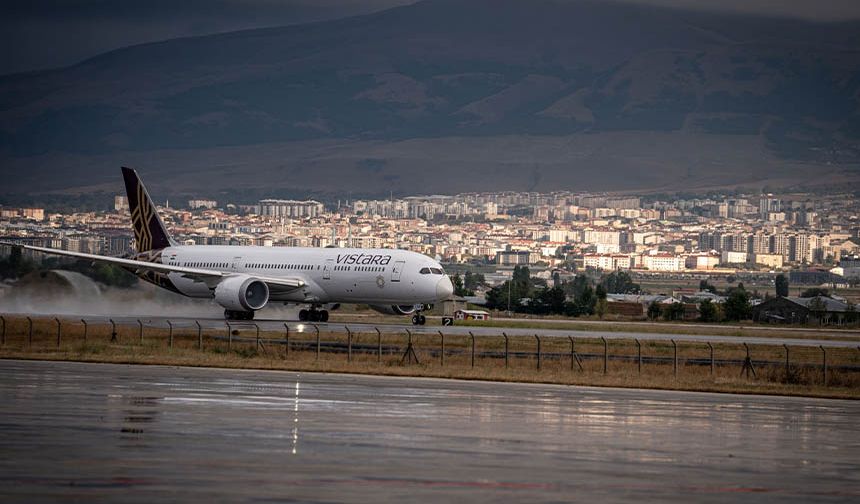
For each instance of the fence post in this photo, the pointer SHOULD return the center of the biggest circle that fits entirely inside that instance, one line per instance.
(572, 352)
(286, 341)
(638, 354)
(113, 336)
(538, 351)
(711, 348)
(317, 329)
(605, 355)
(199, 335)
(84, 322)
(30, 331)
(473, 348)
(506, 349)
(140, 331)
(748, 364)
(823, 363)
(674, 358)
(170, 334)
(378, 345)
(348, 344)
(410, 351)
(442, 353)
(229, 336)
(787, 363)
(3, 338)
(58, 331)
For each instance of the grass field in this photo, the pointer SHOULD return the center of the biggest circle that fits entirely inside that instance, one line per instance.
(685, 366)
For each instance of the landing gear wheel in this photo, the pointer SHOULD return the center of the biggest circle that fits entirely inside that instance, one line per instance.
(303, 315)
(238, 315)
(422, 320)
(324, 316)
(415, 320)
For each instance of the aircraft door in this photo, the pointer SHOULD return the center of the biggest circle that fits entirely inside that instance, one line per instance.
(397, 270)
(329, 265)
(236, 264)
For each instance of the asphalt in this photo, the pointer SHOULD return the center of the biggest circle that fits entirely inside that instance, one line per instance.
(100, 432)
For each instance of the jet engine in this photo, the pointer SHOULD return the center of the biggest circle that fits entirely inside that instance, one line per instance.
(242, 293)
(395, 309)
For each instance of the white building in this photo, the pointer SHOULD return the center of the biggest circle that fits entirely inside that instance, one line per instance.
(663, 262)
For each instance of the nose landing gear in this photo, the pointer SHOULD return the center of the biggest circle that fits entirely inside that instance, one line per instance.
(419, 319)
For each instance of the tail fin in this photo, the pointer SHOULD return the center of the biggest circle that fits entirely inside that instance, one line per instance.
(149, 231)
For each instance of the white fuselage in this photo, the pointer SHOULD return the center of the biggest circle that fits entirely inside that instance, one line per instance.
(330, 275)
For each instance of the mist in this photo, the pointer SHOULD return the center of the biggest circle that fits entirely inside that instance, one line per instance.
(68, 293)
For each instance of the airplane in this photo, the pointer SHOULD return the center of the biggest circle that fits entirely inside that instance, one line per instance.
(245, 279)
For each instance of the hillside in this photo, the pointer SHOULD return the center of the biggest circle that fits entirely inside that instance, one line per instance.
(449, 95)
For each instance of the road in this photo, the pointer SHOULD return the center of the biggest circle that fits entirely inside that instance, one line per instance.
(100, 432)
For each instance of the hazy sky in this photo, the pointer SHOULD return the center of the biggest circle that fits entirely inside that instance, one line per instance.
(36, 34)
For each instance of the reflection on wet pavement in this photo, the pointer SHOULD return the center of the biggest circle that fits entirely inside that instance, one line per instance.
(140, 433)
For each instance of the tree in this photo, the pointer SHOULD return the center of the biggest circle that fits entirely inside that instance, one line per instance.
(674, 311)
(601, 306)
(459, 290)
(619, 282)
(737, 305)
(707, 311)
(16, 265)
(654, 310)
(497, 297)
(550, 300)
(815, 292)
(705, 286)
(472, 281)
(521, 277)
(781, 283)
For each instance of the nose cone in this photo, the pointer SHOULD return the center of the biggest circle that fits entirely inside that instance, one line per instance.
(444, 289)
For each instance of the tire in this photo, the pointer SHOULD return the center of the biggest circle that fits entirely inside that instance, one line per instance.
(415, 319)
(303, 315)
(422, 320)
(324, 316)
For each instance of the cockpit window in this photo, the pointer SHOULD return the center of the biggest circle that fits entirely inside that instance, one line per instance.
(424, 271)
(437, 271)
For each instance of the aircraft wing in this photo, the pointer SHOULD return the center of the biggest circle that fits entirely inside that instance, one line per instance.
(208, 276)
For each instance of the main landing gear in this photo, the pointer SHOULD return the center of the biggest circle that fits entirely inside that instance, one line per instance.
(419, 319)
(313, 315)
(238, 315)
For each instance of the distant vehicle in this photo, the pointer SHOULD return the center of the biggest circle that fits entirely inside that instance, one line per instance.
(244, 279)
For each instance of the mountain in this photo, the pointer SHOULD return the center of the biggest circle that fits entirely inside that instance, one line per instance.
(453, 95)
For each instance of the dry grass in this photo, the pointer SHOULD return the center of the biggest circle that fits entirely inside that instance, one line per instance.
(752, 330)
(658, 369)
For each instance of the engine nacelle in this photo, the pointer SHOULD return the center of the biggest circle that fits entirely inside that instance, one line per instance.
(242, 293)
(395, 309)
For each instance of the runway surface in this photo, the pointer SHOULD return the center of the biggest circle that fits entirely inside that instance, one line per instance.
(98, 432)
(217, 324)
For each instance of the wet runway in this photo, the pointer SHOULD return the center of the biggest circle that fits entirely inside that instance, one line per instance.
(98, 432)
